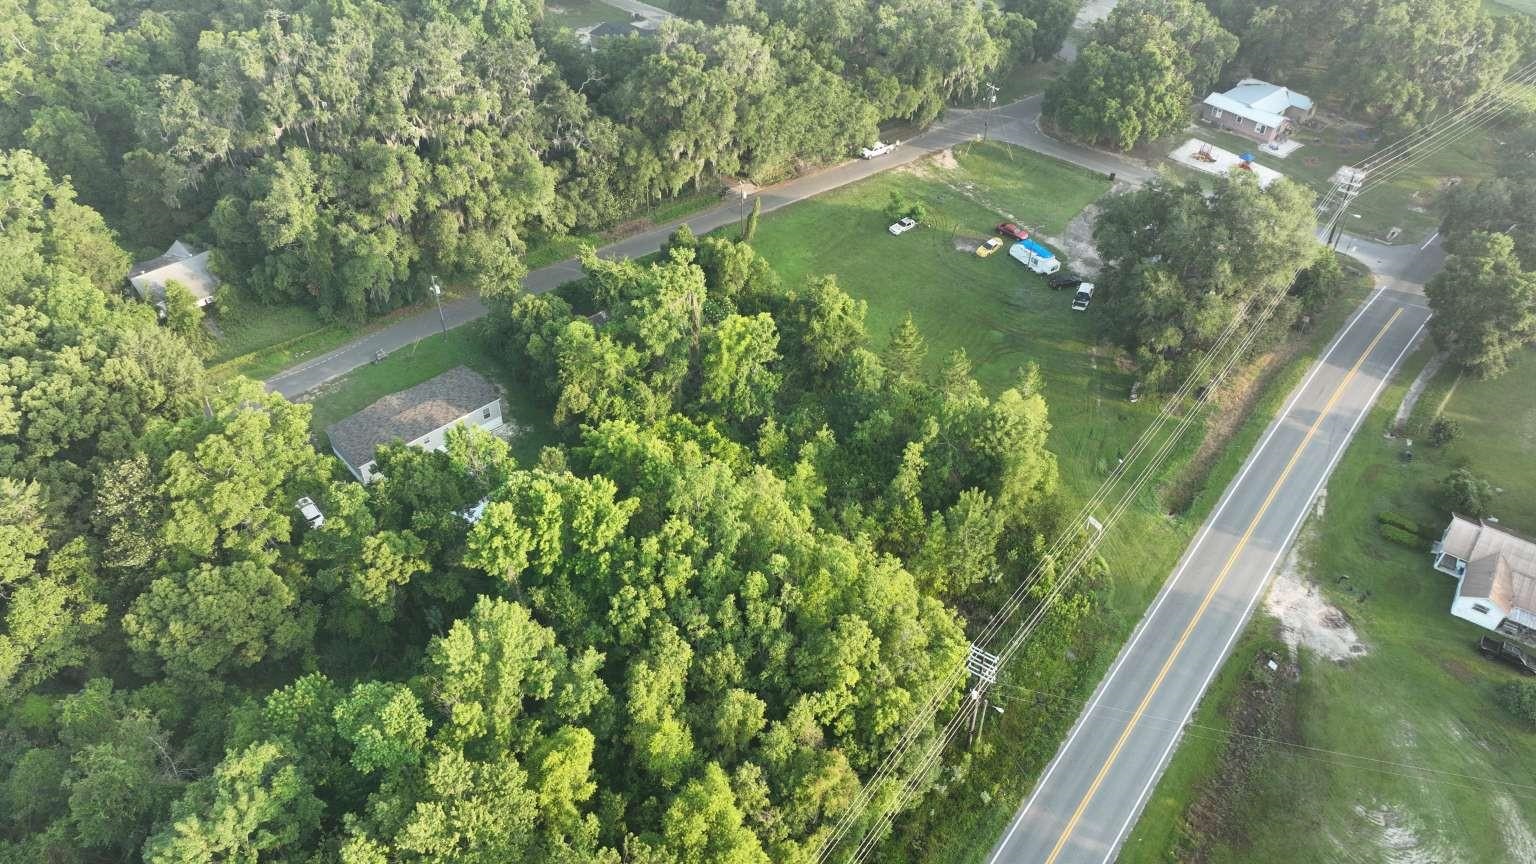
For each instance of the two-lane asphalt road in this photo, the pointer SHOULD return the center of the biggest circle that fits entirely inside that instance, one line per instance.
(1092, 791)
(1017, 123)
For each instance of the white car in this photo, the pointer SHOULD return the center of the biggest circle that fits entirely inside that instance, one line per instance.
(311, 513)
(906, 223)
(1081, 299)
(880, 149)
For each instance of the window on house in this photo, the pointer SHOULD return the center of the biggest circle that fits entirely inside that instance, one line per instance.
(486, 412)
(1260, 128)
(1217, 114)
(1481, 608)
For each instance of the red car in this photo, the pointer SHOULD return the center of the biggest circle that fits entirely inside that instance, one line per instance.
(1008, 229)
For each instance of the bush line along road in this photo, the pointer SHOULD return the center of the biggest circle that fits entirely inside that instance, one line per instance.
(1092, 791)
(1015, 123)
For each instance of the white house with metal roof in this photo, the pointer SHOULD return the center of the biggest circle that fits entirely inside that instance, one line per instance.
(418, 417)
(178, 264)
(1495, 574)
(1258, 109)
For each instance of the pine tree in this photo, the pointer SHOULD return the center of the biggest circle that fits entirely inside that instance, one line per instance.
(907, 350)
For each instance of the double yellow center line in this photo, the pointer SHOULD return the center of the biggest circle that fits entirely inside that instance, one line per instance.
(1221, 577)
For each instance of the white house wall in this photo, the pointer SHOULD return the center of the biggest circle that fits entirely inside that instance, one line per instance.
(1465, 608)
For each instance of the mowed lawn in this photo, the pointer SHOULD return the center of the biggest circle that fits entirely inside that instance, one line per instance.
(1001, 314)
(432, 356)
(1421, 697)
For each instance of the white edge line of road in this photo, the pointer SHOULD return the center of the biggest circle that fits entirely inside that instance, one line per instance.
(1290, 537)
(1168, 586)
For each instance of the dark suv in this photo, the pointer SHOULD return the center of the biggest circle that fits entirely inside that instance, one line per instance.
(1064, 280)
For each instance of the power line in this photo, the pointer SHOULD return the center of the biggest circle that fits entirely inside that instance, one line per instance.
(1396, 157)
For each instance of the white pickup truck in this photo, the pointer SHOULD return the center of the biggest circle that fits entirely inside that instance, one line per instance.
(1081, 299)
(880, 149)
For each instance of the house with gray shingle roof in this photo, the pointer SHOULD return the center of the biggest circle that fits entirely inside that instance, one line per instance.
(418, 417)
(1495, 574)
(1258, 109)
(178, 264)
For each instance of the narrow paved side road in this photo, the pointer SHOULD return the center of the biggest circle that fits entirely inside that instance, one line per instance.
(1016, 123)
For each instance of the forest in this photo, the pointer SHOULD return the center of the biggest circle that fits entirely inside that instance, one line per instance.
(342, 154)
(685, 635)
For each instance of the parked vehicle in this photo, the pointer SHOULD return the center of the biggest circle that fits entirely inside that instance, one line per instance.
(1008, 229)
(880, 149)
(1136, 391)
(905, 224)
(1505, 652)
(311, 513)
(1082, 297)
(992, 245)
(1064, 280)
(1035, 257)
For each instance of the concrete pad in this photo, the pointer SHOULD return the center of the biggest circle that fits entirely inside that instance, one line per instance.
(1282, 149)
(1226, 161)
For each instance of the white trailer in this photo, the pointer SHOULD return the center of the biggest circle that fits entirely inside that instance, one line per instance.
(1035, 257)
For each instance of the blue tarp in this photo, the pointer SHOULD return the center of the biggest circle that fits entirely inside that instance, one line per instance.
(1036, 248)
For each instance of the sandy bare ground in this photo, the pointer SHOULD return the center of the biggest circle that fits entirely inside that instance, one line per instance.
(1306, 618)
(1401, 839)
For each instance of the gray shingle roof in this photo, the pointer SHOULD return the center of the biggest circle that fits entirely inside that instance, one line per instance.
(179, 263)
(411, 413)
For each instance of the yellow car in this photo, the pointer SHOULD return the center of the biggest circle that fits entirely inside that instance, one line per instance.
(987, 248)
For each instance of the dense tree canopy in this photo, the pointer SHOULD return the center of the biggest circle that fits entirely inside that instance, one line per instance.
(344, 155)
(1135, 78)
(1484, 303)
(688, 633)
(1181, 262)
(1396, 62)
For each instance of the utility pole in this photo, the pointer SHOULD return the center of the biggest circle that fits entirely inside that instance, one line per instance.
(1351, 181)
(437, 295)
(984, 666)
(986, 118)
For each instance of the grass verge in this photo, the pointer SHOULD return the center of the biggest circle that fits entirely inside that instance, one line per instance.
(1421, 697)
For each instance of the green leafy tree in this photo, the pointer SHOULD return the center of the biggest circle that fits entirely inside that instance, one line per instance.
(185, 318)
(1121, 94)
(739, 380)
(215, 619)
(1464, 492)
(1484, 304)
(257, 805)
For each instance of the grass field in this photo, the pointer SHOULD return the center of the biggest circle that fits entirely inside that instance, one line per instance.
(1004, 316)
(1408, 201)
(432, 356)
(582, 13)
(1421, 697)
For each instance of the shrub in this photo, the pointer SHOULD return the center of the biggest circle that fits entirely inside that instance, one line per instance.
(1443, 431)
(1398, 535)
(1519, 699)
(1391, 517)
(1466, 493)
